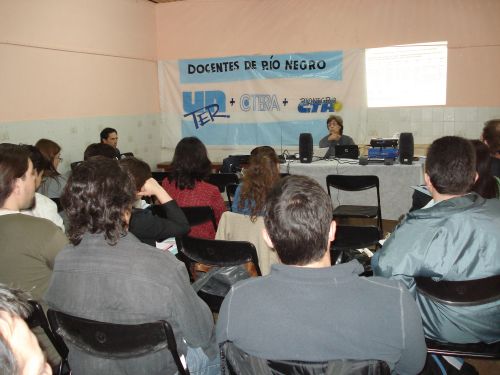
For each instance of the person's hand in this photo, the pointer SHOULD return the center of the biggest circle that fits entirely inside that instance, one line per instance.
(152, 187)
(334, 136)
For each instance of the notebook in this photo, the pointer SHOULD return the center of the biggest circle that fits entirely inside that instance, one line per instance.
(347, 152)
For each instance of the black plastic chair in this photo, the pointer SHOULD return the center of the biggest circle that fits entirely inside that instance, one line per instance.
(37, 318)
(356, 237)
(462, 293)
(235, 361)
(126, 155)
(199, 214)
(159, 176)
(221, 180)
(230, 191)
(217, 253)
(115, 341)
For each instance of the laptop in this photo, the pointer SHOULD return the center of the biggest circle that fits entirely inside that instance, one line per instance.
(347, 152)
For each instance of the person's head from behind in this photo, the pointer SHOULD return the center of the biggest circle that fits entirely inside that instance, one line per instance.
(335, 122)
(98, 198)
(259, 178)
(109, 136)
(450, 167)
(52, 152)
(40, 164)
(190, 163)
(17, 177)
(138, 169)
(491, 136)
(20, 353)
(299, 221)
(485, 185)
(99, 150)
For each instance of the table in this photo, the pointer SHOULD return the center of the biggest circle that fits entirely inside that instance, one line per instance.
(395, 182)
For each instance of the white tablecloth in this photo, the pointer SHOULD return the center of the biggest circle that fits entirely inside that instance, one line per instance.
(395, 183)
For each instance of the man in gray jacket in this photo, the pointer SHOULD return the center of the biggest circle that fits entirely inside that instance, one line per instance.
(456, 239)
(305, 309)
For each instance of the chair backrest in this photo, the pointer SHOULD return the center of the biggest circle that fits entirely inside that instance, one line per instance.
(460, 293)
(352, 182)
(221, 180)
(37, 318)
(357, 183)
(238, 227)
(219, 252)
(126, 155)
(236, 361)
(230, 191)
(199, 214)
(115, 341)
(159, 176)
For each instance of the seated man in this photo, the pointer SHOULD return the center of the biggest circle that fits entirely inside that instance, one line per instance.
(109, 136)
(28, 245)
(107, 274)
(456, 239)
(157, 222)
(307, 310)
(19, 349)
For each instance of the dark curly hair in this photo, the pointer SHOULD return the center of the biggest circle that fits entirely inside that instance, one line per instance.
(96, 198)
(190, 163)
(259, 178)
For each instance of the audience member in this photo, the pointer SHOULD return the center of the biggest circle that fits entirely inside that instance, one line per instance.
(109, 136)
(307, 310)
(20, 353)
(335, 137)
(456, 239)
(258, 180)
(28, 245)
(491, 137)
(100, 149)
(153, 223)
(186, 184)
(44, 207)
(107, 274)
(53, 182)
(486, 185)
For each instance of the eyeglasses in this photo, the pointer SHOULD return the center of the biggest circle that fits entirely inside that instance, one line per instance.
(60, 159)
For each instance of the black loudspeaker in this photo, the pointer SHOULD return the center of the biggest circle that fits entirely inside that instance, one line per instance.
(406, 148)
(305, 147)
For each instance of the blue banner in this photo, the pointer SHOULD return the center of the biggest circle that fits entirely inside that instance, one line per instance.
(318, 65)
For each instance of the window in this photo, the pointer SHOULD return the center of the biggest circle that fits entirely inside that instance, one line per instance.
(406, 75)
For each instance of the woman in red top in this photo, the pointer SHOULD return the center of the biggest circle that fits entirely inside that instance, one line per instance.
(186, 183)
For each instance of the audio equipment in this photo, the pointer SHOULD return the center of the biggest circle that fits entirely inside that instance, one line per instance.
(305, 147)
(406, 148)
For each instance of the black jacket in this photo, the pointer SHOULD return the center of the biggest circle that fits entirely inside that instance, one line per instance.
(149, 228)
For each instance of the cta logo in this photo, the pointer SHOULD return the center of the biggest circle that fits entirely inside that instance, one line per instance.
(204, 106)
(312, 105)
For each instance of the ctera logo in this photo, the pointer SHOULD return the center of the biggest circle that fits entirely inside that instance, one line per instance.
(205, 107)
